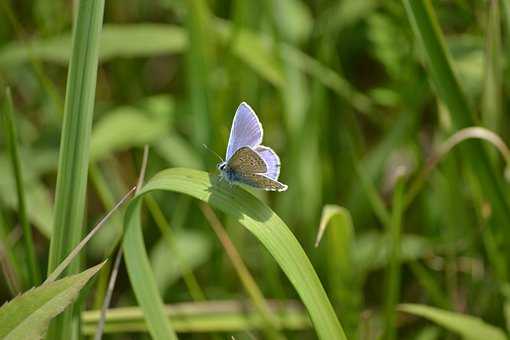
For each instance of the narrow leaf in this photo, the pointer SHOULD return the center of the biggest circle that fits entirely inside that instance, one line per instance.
(343, 272)
(469, 327)
(194, 317)
(74, 149)
(11, 136)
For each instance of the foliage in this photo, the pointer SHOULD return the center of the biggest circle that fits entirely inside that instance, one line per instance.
(359, 98)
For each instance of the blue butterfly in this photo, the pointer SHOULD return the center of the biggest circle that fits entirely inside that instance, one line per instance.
(247, 161)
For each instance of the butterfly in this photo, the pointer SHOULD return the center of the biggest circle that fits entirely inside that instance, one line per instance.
(247, 161)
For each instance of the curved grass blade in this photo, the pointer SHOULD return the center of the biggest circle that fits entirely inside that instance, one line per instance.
(251, 213)
(27, 316)
(469, 327)
(343, 274)
(424, 21)
(118, 257)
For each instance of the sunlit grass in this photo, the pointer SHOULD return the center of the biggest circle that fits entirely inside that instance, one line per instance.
(385, 115)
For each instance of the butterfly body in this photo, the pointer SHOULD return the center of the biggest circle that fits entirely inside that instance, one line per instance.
(227, 173)
(247, 161)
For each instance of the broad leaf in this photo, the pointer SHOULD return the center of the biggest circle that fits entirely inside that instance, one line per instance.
(28, 315)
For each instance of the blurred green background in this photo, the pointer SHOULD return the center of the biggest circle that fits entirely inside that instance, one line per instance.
(345, 97)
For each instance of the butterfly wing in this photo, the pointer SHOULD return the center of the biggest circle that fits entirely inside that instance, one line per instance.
(246, 130)
(272, 161)
(262, 182)
(246, 161)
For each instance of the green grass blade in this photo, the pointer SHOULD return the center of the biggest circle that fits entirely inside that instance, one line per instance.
(72, 255)
(165, 39)
(393, 271)
(198, 317)
(424, 22)
(246, 278)
(178, 245)
(505, 291)
(343, 274)
(469, 327)
(141, 277)
(8, 261)
(11, 135)
(74, 148)
(39, 203)
(426, 27)
(251, 213)
(492, 103)
(198, 56)
(27, 316)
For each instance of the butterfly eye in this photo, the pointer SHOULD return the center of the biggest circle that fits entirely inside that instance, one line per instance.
(222, 166)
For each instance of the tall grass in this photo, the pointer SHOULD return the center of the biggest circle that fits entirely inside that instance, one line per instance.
(74, 151)
(449, 91)
(348, 92)
(34, 273)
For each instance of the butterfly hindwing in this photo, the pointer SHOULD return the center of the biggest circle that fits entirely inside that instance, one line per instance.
(246, 130)
(262, 182)
(246, 161)
(272, 161)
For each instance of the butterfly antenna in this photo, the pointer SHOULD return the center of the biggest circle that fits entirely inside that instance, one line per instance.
(212, 151)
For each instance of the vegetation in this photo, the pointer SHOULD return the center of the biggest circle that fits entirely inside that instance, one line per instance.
(389, 118)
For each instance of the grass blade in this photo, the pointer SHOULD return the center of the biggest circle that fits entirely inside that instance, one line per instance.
(74, 148)
(170, 239)
(251, 213)
(199, 317)
(469, 327)
(142, 280)
(197, 21)
(492, 103)
(108, 295)
(70, 257)
(165, 39)
(343, 272)
(393, 270)
(424, 22)
(34, 272)
(8, 260)
(118, 257)
(250, 286)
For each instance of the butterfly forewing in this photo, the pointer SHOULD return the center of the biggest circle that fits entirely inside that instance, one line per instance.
(247, 161)
(246, 130)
